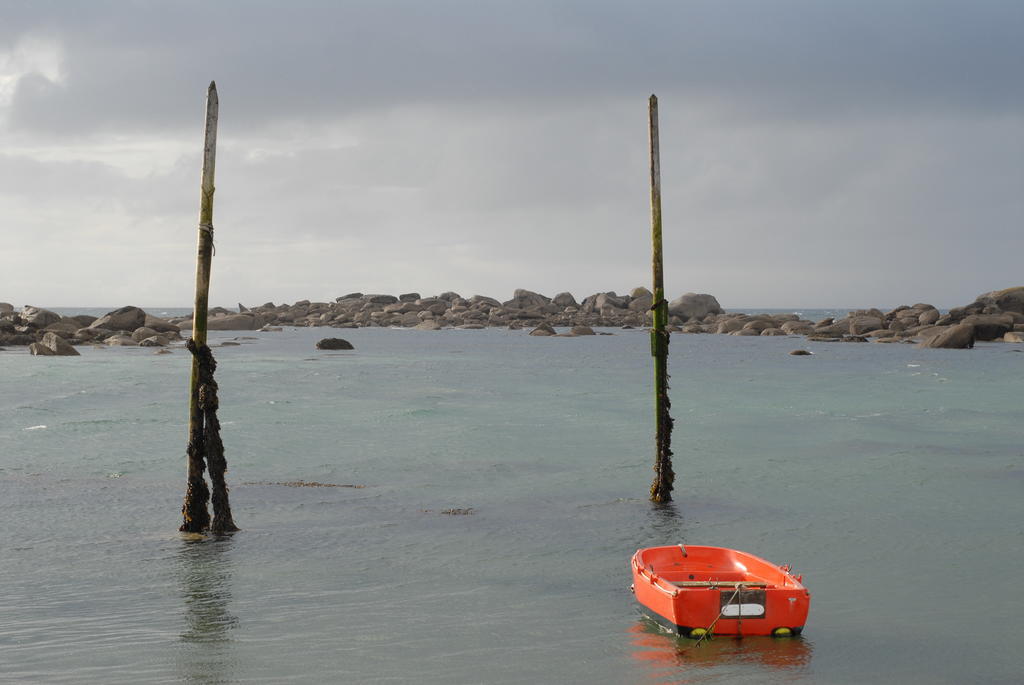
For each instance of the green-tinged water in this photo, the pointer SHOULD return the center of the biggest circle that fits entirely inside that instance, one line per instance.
(891, 477)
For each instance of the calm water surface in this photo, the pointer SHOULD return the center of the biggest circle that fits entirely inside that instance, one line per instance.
(891, 477)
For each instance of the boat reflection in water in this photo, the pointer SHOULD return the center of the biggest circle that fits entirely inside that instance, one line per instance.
(662, 651)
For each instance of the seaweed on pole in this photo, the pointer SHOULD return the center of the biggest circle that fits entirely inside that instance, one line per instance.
(205, 443)
(661, 489)
(195, 516)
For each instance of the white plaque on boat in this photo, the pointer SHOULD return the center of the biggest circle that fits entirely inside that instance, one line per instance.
(744, 610)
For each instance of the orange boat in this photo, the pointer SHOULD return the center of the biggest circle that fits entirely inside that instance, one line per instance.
(697, 590)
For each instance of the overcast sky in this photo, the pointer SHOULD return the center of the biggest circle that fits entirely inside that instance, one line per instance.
(858, 153)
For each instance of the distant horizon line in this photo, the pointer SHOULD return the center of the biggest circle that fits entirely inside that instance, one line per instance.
(212, 306)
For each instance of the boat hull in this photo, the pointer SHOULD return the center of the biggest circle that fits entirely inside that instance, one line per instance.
(699, 589)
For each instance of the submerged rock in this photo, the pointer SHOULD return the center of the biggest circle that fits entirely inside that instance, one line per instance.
(334, 344)
(153, 341)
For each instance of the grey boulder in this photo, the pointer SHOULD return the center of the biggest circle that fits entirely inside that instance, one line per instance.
(526, 299)
(862, 324)
(565, 300)
(1008, 300)
(58, 345)
(694, 306)
(989, 326)
(957, 337)
(41, 350)
(123, 319)
(39, 318)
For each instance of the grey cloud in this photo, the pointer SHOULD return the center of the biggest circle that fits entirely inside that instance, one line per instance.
(857, 153)
(136, 65)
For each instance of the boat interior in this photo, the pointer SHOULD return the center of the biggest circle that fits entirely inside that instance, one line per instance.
(696, 566)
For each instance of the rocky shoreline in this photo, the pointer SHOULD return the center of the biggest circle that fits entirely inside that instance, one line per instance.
(993, 316)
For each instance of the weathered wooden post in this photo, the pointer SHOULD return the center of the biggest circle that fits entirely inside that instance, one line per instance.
(204, 443)
(661, 489)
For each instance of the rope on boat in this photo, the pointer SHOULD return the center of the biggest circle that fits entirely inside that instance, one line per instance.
(206, 448)
(721, 613)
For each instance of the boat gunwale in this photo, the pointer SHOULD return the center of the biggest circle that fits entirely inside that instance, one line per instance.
(789, 581)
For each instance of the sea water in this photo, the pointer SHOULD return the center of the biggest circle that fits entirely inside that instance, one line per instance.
(501, 487)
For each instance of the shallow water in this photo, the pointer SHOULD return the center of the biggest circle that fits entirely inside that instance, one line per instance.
(891, 477)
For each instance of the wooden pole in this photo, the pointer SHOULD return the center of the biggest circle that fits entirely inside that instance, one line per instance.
(195, 514)
(661, 489)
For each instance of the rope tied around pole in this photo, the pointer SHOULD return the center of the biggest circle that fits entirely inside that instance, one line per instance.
(659, 337)
(207, 228)
(206, 449)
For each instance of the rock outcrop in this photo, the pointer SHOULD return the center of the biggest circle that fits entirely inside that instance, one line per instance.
(451, 310)
(48, 333)
(993, 316)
